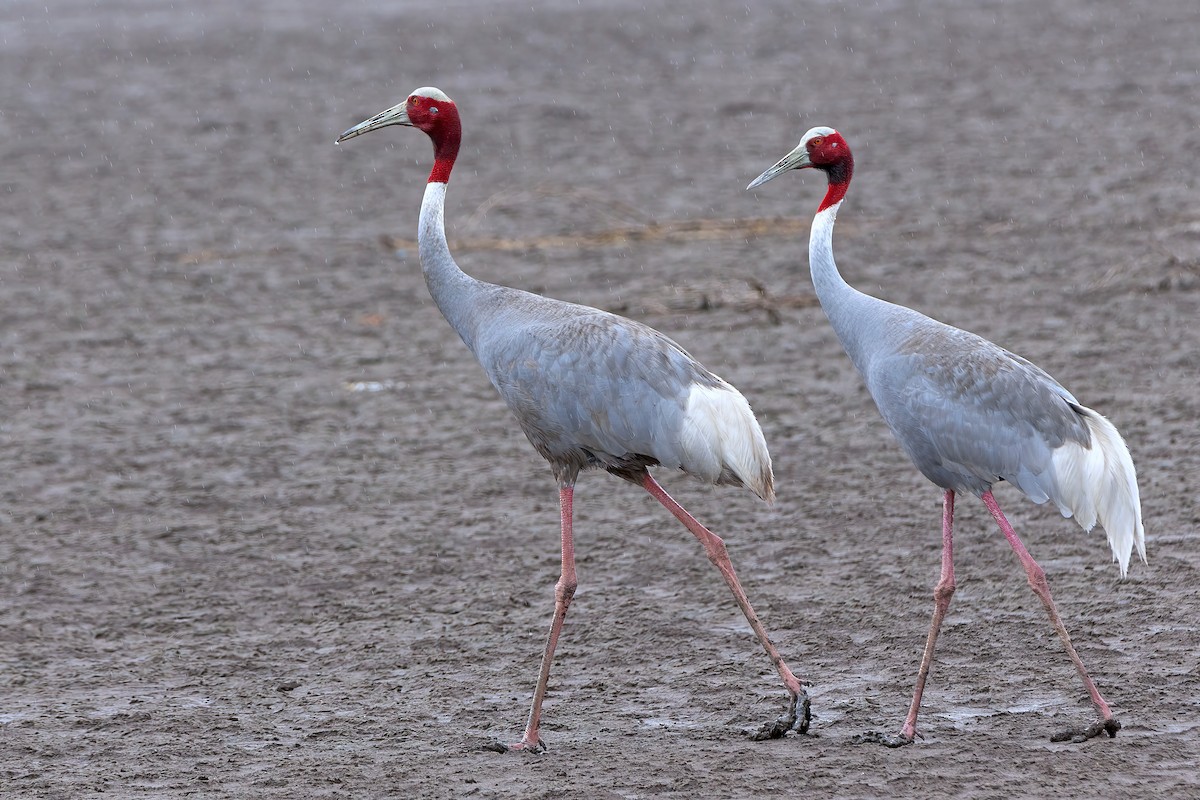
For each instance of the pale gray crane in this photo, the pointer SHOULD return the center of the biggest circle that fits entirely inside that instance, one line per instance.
(970, 414)
(591, 390)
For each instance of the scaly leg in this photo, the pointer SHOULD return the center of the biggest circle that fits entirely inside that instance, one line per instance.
(798, 714)
(941, 603)
(564, 590)
(1037, 580)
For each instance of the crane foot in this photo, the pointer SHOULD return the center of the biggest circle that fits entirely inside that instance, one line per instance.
(519, 747)
(1076, 735)
(797, 717)
(879, 737)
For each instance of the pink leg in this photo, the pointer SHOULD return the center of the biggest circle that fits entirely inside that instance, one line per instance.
(564, 590)
(798, 714)
(1037, 580)
(941, 603)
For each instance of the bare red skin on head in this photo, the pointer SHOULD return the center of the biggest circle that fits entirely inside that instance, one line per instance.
(439, 119)
(832, 155)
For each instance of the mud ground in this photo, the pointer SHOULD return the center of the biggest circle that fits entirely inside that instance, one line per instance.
(266, 530)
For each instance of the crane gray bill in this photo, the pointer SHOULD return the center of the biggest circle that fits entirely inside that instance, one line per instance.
(396, 115)
(797, 159)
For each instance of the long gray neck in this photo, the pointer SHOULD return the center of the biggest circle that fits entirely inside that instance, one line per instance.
(455, 292)
(853, 315)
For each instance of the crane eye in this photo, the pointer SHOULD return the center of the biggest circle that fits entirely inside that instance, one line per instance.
(816, 141)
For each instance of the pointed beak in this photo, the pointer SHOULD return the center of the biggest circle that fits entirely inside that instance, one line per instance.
(396, 115)
(797, 159)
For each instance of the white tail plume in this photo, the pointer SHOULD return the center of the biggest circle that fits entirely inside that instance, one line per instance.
(721, 437)
(1099, 484)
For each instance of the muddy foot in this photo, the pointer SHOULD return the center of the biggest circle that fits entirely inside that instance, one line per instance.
(519, 747)
(878, 737)
(798, 715)
(1075, 735)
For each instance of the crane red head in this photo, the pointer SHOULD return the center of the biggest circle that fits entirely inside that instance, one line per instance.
(823, 149)
(430, 110)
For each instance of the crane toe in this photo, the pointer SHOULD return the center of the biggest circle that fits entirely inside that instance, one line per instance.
(885, 739)
(1079, 735)
(796, 718)
(518, 747)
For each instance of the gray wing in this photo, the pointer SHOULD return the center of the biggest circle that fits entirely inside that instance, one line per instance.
(970, 413)
(590, 388)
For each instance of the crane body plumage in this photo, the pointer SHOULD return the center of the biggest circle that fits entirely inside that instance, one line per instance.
(970, 414)
(591, 390)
